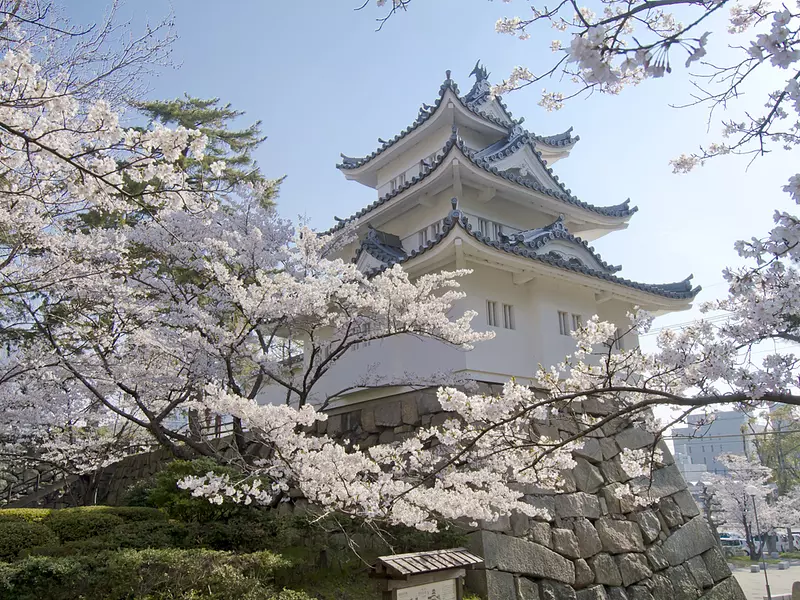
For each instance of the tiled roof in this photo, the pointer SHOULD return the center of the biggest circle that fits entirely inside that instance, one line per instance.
(536, 238)
(386, 247)
(681, 290)
(618, 210)
(427, 111)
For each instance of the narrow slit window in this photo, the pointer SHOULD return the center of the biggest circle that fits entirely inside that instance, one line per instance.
(491, 313)
(498, 231)
(563, 323)
(483, 226)
(423, 237)
(508, 316)
(577, 322)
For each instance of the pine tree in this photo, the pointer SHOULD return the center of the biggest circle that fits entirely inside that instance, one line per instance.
(234, 146)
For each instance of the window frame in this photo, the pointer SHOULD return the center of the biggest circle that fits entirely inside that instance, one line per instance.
(491, 313)
(509, 321)
(563, 323)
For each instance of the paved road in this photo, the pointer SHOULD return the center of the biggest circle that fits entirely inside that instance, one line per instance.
(780, 582)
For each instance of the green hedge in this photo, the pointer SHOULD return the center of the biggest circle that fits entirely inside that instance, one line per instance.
(16, 536)
(23, 514)
(166, 574)
(71, 524)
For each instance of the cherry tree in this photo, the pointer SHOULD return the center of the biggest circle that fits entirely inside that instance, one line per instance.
(746, 502)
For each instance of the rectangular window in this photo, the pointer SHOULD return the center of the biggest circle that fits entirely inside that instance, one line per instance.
(618, 343)
(491, 313)
(498, 231)
(577, 322)
(401, 180)
(563, 323)
(508, 316)
(423, 237)
(483, 227)
(436, 229)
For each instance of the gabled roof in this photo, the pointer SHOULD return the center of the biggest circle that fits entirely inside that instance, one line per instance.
(681, 290)
(386, 247)
(537, 238)
(622, 210)
(472, 105)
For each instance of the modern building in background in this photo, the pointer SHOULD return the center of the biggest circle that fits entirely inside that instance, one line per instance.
(698, 445)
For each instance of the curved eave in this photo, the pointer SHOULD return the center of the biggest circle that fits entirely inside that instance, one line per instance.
(363, 169)
(604, 216)
(674, 296)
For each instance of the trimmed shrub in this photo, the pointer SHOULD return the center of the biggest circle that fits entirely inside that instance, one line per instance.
(71, 524)
(150, 574)
(16, 536)
(180, 504)
(32, 515)
(128, 513)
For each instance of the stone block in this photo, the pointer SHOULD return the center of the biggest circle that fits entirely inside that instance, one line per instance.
(591, 451)
(515, 555)
(579, 504)
(661, 587)
(546, 504)
(686, 504)
(428, 403)
(617, 593)
(649, 524)
(664, 482)
(691, 540)
(619, 536)
(670, 511)
(683, 584)
(540, 533)
(589, 542)
(596, 592)
(634, 438)
(439, 419)
(609, 448)
(583, 574)
(716, 564)
(386, 437)
(490, 584)
(368, 442)
(527, 589)
(567, 483)
(605, 569)
(502, 523)
(633, 568)
(613, 471)
(697, 567)
(409, 411)
(639, 592)
(656, 558)
(587, 477)
(388, 414)
(520, 524)
(553, 590)
(565, 542)
(617, 503)
(728, 589)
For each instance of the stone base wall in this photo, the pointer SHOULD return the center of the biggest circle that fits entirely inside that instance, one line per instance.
(591, 545)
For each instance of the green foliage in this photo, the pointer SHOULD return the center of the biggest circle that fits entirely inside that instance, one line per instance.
(33, 515)
(144, 574)
(16, 536)
(71, 524)
(234, 146)
(180, 504)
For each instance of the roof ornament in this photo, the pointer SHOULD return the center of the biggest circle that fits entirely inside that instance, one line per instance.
(480, 72)
(454, 203)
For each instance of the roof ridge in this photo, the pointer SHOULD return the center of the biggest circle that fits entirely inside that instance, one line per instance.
(678, 290)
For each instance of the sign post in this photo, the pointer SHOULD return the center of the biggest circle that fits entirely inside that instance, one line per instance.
(434, 575)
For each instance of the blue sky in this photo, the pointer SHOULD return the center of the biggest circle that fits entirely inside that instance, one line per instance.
(323, 81)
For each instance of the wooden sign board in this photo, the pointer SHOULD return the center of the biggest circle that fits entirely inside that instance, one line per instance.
(438, 590)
